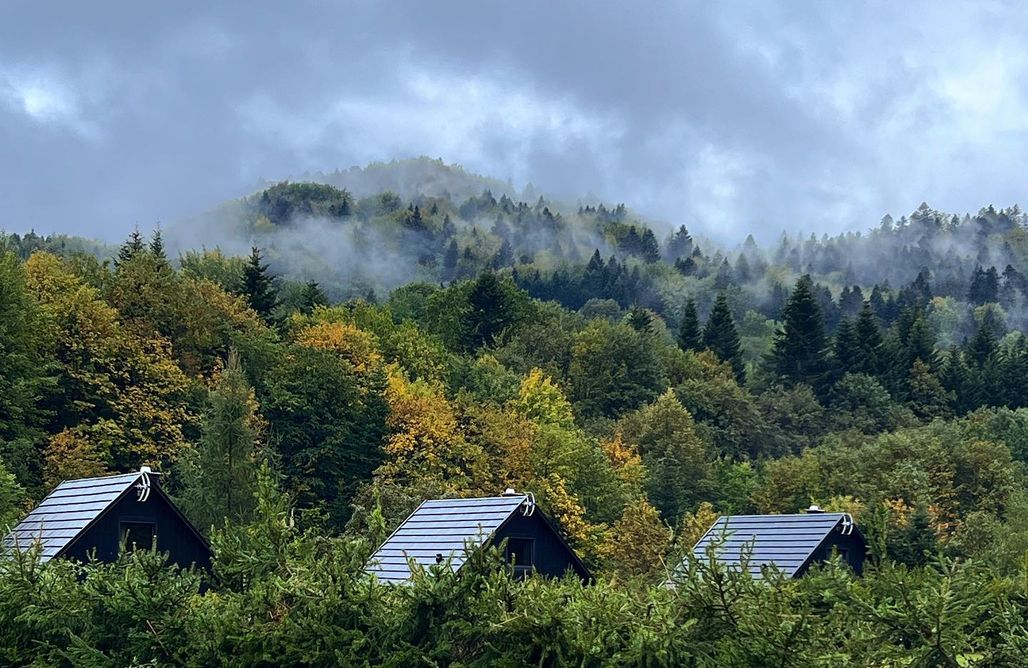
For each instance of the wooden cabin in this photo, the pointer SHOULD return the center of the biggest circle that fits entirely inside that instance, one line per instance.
(441, 531)
(95, 518)
(789, 543)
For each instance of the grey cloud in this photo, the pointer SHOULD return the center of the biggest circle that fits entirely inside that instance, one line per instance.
(729, 118)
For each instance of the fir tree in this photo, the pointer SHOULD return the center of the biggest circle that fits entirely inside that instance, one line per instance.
(800, 352)
(258, 286)
(722, 338)
(689, 337)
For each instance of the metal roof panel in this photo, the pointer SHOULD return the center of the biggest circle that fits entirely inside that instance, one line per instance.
(441, 527)
(71, 507)
(783, 541)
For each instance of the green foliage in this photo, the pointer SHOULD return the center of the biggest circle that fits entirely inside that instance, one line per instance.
(613, 369)
(800, 353)
(257, 286)
(520, 356)
(721, 337)
(219, 475)
(689, 337)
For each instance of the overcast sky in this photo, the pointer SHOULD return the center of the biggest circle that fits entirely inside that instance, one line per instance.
(728, 117)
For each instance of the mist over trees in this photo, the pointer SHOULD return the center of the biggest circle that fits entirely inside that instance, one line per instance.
(326, 359)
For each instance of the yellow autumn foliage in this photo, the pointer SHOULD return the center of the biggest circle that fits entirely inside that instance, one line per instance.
(425, 445)
(353, 344)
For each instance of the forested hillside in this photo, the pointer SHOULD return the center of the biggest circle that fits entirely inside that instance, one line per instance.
(369, 352)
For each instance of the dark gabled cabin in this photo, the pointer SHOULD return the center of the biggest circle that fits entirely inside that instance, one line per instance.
(440, 530)
(93, 518)
(790, 543)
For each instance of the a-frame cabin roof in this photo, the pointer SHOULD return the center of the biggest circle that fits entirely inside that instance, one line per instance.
(67, 511)
(76, 505)
(786, 542)
(446, 528)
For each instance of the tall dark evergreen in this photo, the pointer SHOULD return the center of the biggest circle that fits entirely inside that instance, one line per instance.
(157, 246)
(258, 286)
(722, 338)
(492, 308)
(846, 347)
(312, 297)
(869, 353)
(689, 335)
(132, 247)
(984, 287)
(450, 259)
(800, 352)
(220, 473)
(649, 249)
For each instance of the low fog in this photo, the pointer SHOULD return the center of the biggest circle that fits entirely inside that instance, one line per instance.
(734, 119)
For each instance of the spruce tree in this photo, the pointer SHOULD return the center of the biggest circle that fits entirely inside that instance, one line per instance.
(847, 348)
(983, 347)
(258, 286)
(869, 352)
(220, 474)
(491, 310)
(926, 396)
(504, 257)
(722, 338)
(132, 247)
(450, 259)
(800, 352)
(920, 344)
(689, 337)
(311, 297)
(157, 246)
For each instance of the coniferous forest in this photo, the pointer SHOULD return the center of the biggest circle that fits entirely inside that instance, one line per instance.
(332, 355)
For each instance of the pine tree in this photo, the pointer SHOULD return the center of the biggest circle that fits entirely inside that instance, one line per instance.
(722, 338)
(800, 353)
(258, 286)
(957, 380)
(689, 337)
(220, 474)
(984, 287)
(983, 347)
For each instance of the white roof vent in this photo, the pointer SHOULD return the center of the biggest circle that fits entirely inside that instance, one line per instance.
(814, 508)
(510, 492)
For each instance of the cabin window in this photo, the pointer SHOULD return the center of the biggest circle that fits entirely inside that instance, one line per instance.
(521, 555)
(137, 535)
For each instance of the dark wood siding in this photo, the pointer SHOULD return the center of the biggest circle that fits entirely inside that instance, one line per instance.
(173, 534)
(553, 558)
